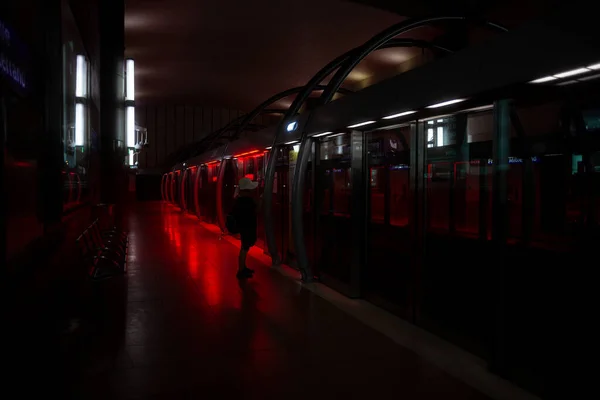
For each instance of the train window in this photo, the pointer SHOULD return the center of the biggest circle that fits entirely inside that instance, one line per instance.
(342, 190)
(249, 164)
(378, 186)
(389, 153)
(439, 176)
(336, 146)
(539, 120)
(480, 127)
(240, 168)
(441, 132)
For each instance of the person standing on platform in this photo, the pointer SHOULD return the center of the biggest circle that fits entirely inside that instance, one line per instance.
(245, 220)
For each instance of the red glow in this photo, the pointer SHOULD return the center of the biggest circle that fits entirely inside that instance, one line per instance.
(24, 164)
(249, 176)
(246, 153)
(214, 178)
(212, 162)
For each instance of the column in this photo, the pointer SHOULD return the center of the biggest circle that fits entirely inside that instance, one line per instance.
(112, 101)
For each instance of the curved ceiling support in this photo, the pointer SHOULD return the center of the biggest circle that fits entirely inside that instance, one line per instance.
(293, 110)
(385, 36)
(347, 65)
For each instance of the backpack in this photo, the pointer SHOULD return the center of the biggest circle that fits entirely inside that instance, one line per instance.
(231, 224)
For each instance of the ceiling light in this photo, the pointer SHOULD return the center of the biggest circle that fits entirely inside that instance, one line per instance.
(566, 83)
(544, 79)
(322, 134)
(481, 108)
(446, 103)
(292, 126)
(595, 66)
(361, 124)
(130, 80)
(402, 114)
(268, 148)
(589, 78)
(337, 134)
(572, 72)
(292, 142)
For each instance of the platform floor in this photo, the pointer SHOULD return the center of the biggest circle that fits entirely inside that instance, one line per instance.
(190, 329)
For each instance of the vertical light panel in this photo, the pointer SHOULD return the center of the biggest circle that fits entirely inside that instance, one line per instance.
(79, 124)
(131, 157)
(130, 116)
(440, 136)
(80, 76)
(130, 80)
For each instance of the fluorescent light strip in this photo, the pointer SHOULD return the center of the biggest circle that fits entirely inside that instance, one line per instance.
(589, 78)
(130, 121)
(566, 83)
(446, 103)
(481, 108)
(560, 75)
(292, 142)
(268, 148)
(79, 76)
(79, 124)
(402, 114)
(130, 79)
(322, 134)
(361, 124)
(337, 134)
(544, 79)
(572, 72)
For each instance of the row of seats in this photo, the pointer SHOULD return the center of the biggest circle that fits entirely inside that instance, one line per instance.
(103, 251)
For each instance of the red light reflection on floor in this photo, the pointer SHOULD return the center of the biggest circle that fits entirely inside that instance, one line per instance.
(196, 248)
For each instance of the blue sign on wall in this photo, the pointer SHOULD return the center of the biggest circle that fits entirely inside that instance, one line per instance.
(12, 56)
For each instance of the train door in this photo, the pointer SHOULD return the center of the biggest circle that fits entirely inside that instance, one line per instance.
(183, 190)
(230, 183)
(259, 176)
(201, 192)
(453, 296)
(190, 190)
(387, 275)
(281, 202)
(337, 254)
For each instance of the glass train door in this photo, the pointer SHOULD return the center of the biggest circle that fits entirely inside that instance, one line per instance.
(334, 254)
(201, 192)
(453, 298)
(387, 274)
(281, 202)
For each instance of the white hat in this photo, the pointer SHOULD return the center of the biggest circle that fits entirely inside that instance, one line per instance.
(247, 184)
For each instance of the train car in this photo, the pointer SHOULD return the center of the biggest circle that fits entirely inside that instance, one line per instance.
(444, 194)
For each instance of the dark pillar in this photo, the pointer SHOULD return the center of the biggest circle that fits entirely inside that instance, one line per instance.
(417, 215)
(51, 157)
(112, 101)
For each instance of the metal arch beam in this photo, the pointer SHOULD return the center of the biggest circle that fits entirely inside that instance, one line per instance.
(348, 63)
(385, 36)
(261, 108)
(293, 110)
(248, 118)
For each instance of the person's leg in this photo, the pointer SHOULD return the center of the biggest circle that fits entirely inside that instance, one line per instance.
(242, 259)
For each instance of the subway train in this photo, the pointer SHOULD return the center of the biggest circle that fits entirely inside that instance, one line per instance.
(463, 187)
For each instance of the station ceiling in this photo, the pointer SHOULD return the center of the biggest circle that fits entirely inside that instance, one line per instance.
(235, 54)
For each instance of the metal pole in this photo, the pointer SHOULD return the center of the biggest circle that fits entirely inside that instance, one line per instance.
(501, 148)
